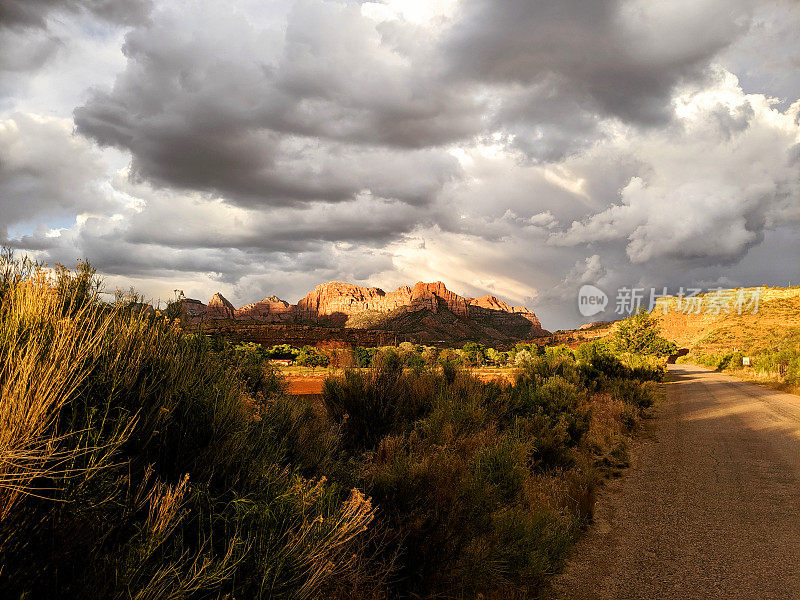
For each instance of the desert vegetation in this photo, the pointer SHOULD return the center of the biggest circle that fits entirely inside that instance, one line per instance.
(138, 461)
(770, 340)
(470, 354)
(777, 366)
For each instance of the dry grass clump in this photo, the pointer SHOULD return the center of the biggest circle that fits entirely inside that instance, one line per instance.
(44, 358)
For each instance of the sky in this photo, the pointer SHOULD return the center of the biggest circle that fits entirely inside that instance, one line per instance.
(509, 147)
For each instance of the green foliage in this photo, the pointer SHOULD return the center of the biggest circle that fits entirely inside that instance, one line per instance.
(311, 357)
(495, 357)
(363, 356)
(523, 357)
(473, 354)
(785, 362)
(369, 405)
(250, 362)
(144, 468)
(168, 465)
(782, 363)
(639, 334)
(451, 463)
(283, 352)
(450, 358)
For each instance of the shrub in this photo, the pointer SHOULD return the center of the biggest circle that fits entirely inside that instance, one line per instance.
(639, 334)
(363, 357)
(138, 461)
(369, 405)
(135, 464)
(456, 489)
(310, 357)
(632, 392)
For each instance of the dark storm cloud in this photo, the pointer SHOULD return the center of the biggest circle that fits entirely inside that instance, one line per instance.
(210, 101)
(322, 112)
(256, 269)
(22, 51)
(45, 173)
(569, 63)
(34, 13)
(626, 57)
(203, 224)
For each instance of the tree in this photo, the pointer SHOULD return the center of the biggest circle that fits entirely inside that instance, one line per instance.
(283, 351)
(363, 356)
(309, 357)
(473, 353)
(495, 357)
(522, 357)
(449, 356)
(430, 354)
(640, 334)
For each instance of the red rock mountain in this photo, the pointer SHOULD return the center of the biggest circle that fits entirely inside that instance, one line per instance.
(425, 312)
(219, 308)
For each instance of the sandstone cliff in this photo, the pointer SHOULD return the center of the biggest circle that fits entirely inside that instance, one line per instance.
(449, 316)
(219, 307)
(268, 309)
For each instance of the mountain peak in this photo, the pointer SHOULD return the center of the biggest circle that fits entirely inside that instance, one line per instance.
(219, 306)
(354, 306)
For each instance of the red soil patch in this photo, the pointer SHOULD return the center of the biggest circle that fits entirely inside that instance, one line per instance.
(305, 385)
(302, 384)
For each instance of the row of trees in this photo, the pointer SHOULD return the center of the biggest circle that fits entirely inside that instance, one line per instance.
(637, 335)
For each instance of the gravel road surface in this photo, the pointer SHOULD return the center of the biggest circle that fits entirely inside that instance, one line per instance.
(711, 505)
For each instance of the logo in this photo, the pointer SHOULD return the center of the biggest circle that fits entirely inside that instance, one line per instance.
(591, 300)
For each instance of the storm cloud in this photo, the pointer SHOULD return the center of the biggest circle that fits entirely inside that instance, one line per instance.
(45, 172)
(503, 146)
(34, 13)
(321, 111)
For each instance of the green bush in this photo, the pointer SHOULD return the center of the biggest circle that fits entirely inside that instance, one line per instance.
(363, 356)
(140, 462)
(371, 404)
(142, 468)
(456, 498)
(639, 334)
(311, 357)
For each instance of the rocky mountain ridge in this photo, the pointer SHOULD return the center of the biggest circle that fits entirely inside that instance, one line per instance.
(422, 311)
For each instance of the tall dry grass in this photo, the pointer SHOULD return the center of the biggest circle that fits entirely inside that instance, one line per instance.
(44, 358)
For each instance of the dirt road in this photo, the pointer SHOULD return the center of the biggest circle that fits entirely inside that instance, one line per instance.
(711, 505)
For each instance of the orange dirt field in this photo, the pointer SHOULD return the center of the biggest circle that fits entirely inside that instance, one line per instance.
(310, 384)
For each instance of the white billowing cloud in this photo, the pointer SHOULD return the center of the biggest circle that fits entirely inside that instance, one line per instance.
(706, 187)
(46, 173)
